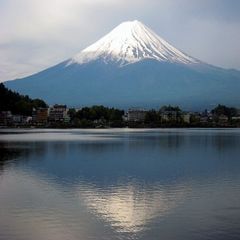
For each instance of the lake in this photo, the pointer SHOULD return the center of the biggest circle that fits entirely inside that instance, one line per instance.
(173, 184)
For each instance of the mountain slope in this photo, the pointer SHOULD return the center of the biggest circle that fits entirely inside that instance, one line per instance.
(132, 66)
(131, 42)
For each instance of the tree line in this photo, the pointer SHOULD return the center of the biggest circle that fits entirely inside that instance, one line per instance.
(96, 116)
(100, 116)
(17, 103)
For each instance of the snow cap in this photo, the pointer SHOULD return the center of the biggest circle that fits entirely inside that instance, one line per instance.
(130, 42)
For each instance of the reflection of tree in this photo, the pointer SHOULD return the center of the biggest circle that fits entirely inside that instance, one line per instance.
(96, 147)
(226, 142)
(161, 141)
(7, 154)
(219, 141)
(151, 155)
(12, 152)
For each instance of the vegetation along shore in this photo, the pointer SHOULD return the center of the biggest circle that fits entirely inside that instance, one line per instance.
(21, 111)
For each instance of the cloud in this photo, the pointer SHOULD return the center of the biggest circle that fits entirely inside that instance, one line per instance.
(35, 34)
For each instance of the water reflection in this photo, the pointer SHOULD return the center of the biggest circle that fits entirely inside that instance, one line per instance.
(129, 208)
(42, 210)
(120, 184)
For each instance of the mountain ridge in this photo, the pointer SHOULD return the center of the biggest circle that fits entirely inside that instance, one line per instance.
(126, 82)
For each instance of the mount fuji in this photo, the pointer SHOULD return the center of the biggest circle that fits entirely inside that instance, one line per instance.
(131, 42)
(133, 66)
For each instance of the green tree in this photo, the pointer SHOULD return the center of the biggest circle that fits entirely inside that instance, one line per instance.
(224, 110)
(16, 103)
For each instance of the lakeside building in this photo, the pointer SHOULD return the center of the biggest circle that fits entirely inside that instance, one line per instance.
(18, 119)
(237, 118)
(9, 119)
(40, 116)
(169, 115)
(61, 116)
(6, 118)
(222, 119)
(135, 115)
(186, 117)
(21, 120)
(58, 113)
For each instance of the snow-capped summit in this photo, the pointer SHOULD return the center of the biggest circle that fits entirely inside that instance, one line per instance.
(131, 42)
(170, 77)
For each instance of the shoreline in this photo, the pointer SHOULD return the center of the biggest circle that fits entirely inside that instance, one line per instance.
(113, 128)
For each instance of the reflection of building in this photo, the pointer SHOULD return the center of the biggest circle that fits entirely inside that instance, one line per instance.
(58, 113)
(135, 115)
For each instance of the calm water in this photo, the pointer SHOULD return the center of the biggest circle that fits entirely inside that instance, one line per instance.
(119, 184)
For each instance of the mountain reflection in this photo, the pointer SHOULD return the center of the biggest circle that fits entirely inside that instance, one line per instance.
(119, 184)
(106, 155)
(130, 207)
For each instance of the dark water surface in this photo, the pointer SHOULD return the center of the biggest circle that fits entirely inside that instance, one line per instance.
(120, 184)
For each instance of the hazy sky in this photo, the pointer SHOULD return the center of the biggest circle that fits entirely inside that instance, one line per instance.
(36, 34)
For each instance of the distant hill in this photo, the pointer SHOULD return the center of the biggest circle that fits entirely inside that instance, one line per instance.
(16, 103)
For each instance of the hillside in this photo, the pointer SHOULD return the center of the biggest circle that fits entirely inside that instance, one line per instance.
(16, 103)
